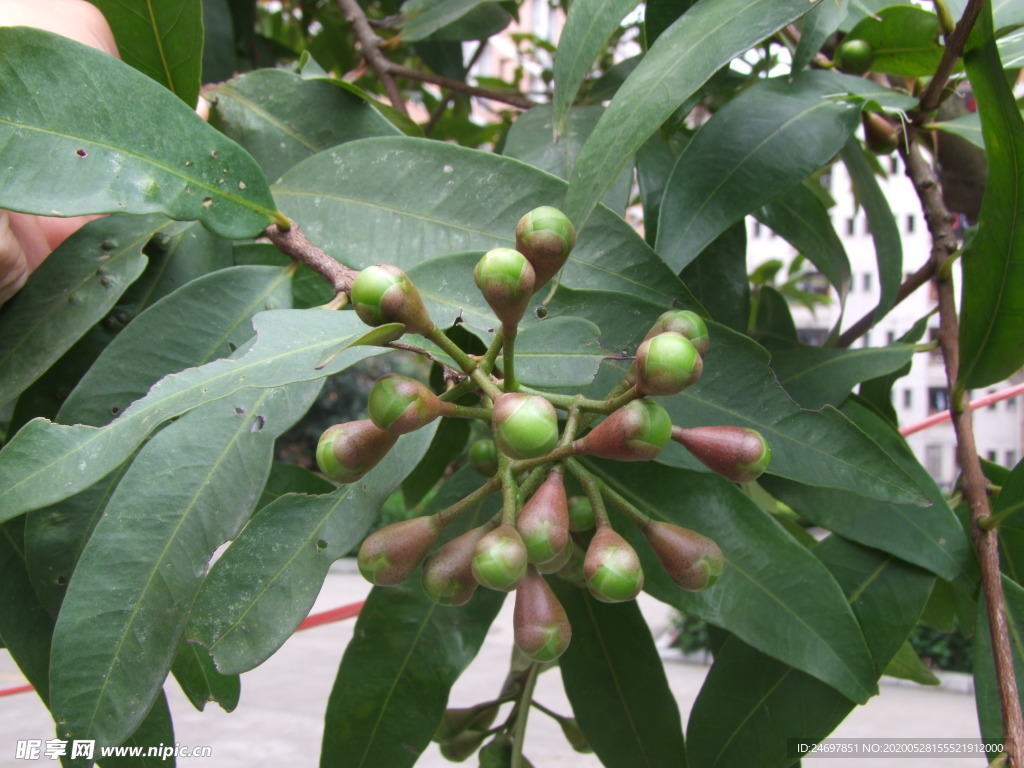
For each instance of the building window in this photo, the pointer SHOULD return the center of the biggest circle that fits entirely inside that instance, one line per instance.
(890, 337)
(814, 337)
(757, 229)
(991, 456)
(867, 338)
(851, 226)
(908, 398)
(911, 223)
(938, 399)
(933, 460)
(934, 354)
(894, 164)
(866, 281)
(1011, 458)
(1011, 404)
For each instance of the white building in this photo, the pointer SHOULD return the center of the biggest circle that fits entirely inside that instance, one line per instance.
(999, 428)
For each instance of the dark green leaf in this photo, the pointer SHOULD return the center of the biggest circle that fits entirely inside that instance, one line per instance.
(735, 165)
(878, 393)
(986, 688)
(282, 118)
(47, 462)
(992, 319)
(72, 290)
(718, 278)
(904, 39)
(966, 127)
(654, 163)
(1008, 507)
(219, 60)
(291, 478)
(264, 585)
(164, 41)
(195, 672)
(907, 665)
(705, 38)
(114, 141)
(447, 445)
(818, 25)
(811, 628)
(816, 377)
(452, 19)
(616, 684)
(155, 731)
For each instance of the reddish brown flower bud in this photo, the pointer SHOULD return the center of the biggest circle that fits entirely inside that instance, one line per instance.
(635, 432)
(692, 560)
(401, 405)
(384, 294)
(543, 521)
(540, 626)
(525, 426)
(686, 323)
(346, 452)
(545, 236)
(612, 568)
(499, 559)
(447, 576)
(390, 554)
(736, 453)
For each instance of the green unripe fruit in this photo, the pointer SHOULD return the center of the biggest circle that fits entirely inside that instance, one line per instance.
(683, 321)
(483, 455)
(499, 559)
(506, 280)
(540, 626)
(385, 294)
(545, 236)
(581, 514)
(400, 405)
(880, 134)
(636, 432)
(390, 554)
(462, 745)
(447, 575)
(691, 560)
(667, 364)
(736, 453)
(346, 452)
(854, 57)
(612, 568)
(543, 521)
(525, 426)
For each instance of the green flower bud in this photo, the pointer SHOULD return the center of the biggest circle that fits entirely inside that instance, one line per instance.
(683, 321)
(693, 561)
(543, 521)
(506, 279)
(572, 571)
(499, 559)
(459, 719)
(462, 745)
(667, 364)
(447, 576)
(581, 514)
(612, 568)
(540, 626)
(346, 452)
(636, 432)
(390, 554)
(559, 561)
(545, 236)
(736, 453)
(400, 405)
(385, 294)
(525, 426)
(854, 57)
(881, 135)
(483, 455)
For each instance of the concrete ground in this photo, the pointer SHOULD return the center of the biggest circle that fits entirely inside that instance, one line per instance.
(279, 720)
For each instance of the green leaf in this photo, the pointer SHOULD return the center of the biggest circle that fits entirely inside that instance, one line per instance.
(816, 377)
(718, 277)
(930, 537)
(203, 320)
(407, 652)
(114, 141)
(704, 39)
(986, 687)
(195, 672)
(437, 198)
(155, 731)
(264, 585)
(615, 681)
(734, 164)
(907, 665)
(589, 26)
(753, 705)
(966, 127)
(291, 478)
(801, 218)
(448, 444)
(811, 628)
(885, 232)
(1008, 508)
(878, 393)
(654, 163)
(530, 139)
(904, 40)
(190, 489)
(452, 19)
(818, 25)
(164, 41)
(282, 118)
(992, 316)
(71, 291)
(47, 462)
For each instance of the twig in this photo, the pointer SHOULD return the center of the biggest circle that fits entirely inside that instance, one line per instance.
(446, 99)
(931, 97)
(907, 287)
(986, 542)
(512, 98)
(370, 45)
(293, 243)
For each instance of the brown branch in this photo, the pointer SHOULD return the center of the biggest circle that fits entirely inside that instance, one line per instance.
(512, 98)
(369, 43)
(293, 243)
(931, 97)
(907, 287)
(986, 542)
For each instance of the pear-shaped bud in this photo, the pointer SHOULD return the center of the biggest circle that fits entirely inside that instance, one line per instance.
(385, 294)
(545, 236)
(635, 432)
(459, 719)
(543, 521)
(572, 571)
(499, 559)
(525, 426)
(683, 321)
(540, 627)
(391, 553)
(506, 279)
(346, 452)
(581, 514)
(483, 455)
(855, 57)
(737, 453)
(692, 560)
(667, 364)
(462, 745)
(400, 405)
(559, 561)
(881, 135)
(447, 576)
(612, 567)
